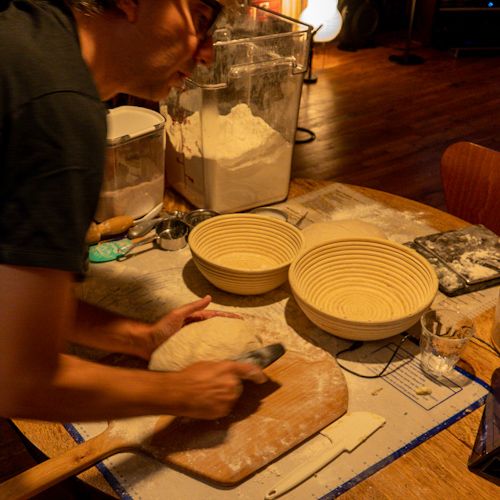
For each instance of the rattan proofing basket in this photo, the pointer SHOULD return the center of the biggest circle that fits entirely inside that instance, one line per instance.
(363, 288)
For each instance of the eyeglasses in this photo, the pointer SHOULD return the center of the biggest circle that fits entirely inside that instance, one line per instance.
(205, 14)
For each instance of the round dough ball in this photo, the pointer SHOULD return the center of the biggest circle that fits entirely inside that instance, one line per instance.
(213, 339)
(322, 232)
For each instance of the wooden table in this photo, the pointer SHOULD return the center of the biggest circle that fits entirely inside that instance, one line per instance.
(435, 469)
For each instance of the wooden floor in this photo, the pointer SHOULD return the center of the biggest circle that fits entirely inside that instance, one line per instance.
(385, 126)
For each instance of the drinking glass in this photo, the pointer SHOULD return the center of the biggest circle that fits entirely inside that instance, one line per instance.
(445, 333)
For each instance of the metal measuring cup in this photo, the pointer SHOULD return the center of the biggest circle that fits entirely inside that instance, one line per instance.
(143, 227)
(199, 215)
(172, 233)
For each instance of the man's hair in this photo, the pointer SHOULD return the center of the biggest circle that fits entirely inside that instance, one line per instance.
(92, 5)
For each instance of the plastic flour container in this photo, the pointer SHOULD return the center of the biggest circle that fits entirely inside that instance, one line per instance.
(133, 181)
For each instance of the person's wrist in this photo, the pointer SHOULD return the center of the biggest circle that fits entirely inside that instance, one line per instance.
(177, 401)
(142, 339)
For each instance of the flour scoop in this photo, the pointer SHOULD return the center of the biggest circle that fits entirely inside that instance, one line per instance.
(129, 434)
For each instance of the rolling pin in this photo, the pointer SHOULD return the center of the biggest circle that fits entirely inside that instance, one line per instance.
(109, 227)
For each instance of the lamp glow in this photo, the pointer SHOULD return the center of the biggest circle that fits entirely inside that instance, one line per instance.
(323, 13)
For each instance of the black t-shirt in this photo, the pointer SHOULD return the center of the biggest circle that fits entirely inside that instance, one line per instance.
(52, 137)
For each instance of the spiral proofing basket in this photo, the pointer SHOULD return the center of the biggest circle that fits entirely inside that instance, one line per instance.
(363, 288)
(246, 254)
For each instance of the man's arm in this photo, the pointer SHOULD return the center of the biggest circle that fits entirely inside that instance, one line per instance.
(37, 309)
(112, 332)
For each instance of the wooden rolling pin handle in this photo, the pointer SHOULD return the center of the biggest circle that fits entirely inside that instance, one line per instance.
(115, 225)
(109, 227)
(70, 463)
(93, 235)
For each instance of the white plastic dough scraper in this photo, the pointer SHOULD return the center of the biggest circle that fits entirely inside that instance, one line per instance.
(345, 434)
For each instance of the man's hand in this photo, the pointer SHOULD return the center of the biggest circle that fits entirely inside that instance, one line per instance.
(37, 316)
(209, 390)
(172, 322)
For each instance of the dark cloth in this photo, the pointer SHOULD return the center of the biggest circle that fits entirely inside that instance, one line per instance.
(52, 138)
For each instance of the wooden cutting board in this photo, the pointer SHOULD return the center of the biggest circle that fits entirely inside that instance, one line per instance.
(301, 397)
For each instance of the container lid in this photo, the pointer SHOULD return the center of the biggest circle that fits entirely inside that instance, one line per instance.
(129, 122)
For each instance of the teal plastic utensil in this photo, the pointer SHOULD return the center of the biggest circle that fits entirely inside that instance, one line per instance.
(112, 250)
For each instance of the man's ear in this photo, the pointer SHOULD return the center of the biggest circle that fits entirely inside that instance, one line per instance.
(129, 8)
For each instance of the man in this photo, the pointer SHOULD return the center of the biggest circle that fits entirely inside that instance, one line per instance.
(59, 61)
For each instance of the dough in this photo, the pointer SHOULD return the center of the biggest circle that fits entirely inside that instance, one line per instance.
(321, 232)
(213, 339)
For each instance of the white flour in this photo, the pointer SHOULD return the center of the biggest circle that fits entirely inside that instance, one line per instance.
(135, 200)
(467, 264)
(472, 252)
(231, 162)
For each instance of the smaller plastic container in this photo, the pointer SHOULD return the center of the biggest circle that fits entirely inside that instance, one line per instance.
(133, 181)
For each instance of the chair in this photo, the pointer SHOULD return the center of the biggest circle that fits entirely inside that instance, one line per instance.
(471, 181)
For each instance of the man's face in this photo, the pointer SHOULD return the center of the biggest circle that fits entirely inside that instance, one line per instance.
(171, 37)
